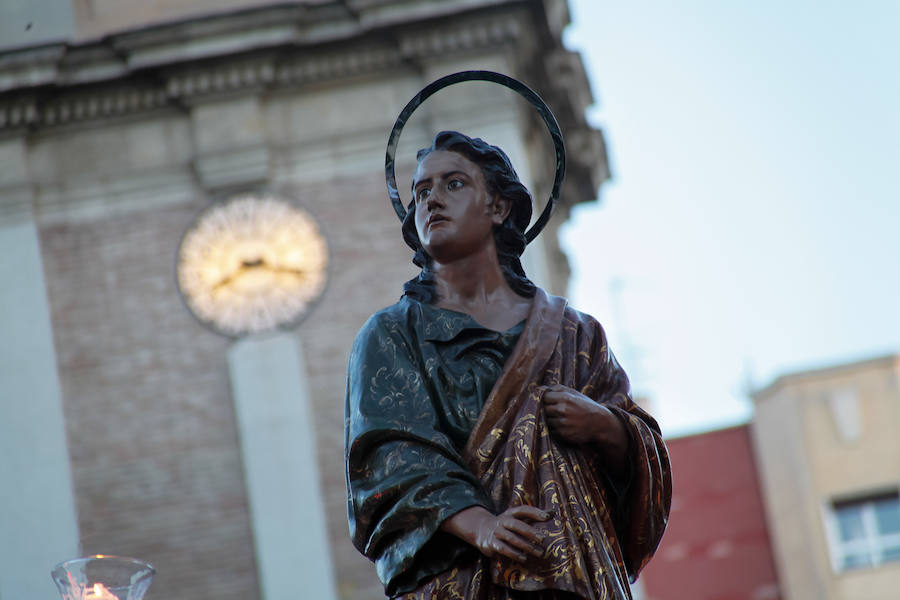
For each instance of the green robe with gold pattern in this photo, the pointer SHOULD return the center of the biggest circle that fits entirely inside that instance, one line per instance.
(443, 414)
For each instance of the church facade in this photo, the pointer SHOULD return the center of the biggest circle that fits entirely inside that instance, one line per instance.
(133, 427)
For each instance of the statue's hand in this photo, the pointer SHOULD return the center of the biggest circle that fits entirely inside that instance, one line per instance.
(508, 534)
(579, 420)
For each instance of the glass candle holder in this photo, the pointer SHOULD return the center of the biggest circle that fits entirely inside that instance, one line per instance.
(103, 577)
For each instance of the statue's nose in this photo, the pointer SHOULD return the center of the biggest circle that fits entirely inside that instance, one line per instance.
(435, 200)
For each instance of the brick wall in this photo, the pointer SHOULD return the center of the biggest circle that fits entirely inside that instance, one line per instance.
(146, 398)
(717, 544)
(149, 415)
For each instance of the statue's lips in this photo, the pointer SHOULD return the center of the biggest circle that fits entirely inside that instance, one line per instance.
(436, 220)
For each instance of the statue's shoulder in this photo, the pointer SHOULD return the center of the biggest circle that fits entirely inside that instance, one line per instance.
(389, 316)
(551, 304)
(582, 321)
(586, 319)
(394, 321)
(386, 332)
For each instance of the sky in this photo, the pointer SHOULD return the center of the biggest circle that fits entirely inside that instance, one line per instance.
(750, 228)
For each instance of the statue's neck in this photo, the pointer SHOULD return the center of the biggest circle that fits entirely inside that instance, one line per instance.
(472, 279)
(477, 287)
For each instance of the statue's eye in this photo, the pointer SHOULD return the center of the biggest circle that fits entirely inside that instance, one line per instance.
(454, 184)
(422, 193)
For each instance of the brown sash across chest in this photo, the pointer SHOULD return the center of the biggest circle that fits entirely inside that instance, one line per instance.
(519, 462)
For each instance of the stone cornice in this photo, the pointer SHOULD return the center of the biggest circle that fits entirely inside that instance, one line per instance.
(173, 66)
(188, 61)
(295, 25)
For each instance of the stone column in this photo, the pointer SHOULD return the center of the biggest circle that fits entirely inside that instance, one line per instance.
(278, 446)
(38, 525)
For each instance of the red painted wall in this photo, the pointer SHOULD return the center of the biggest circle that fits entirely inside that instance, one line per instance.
(716, 546)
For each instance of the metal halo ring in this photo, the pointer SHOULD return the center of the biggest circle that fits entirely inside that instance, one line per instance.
(504, 80)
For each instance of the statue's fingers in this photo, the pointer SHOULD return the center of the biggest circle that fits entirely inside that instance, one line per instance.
(503, 548)
(557, 424)
(562, 392)
(555, 403)
(559, 397)
(521, 544)
(526, 532)
(531, 513)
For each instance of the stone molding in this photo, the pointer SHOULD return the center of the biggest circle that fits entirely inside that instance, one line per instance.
(173, 65)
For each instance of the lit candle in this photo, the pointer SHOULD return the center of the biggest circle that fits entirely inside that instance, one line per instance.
(99, 592)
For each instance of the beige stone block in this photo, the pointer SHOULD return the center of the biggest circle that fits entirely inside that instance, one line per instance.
(13, 162)
(16, 204)
(158, 143)
(225, 125)
(326, 112)
(86, 201)
(94, 18)
(237, 167)
(119, 149)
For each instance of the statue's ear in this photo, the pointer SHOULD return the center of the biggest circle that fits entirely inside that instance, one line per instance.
(500, 209)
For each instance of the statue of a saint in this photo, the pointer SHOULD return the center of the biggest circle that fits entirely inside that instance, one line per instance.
(493, 449)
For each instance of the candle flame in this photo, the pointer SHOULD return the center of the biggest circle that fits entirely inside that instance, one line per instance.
(100, 592)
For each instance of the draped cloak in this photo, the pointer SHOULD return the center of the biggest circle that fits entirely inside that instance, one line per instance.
(443, 414)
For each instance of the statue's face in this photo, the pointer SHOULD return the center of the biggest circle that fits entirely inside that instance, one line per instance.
(455, 213)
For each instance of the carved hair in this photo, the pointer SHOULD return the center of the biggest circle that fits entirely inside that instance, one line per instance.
(509, 238)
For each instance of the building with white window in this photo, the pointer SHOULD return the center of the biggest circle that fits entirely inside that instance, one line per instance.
(865, 531)
(828, 452)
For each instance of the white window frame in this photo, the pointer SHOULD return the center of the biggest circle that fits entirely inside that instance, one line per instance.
(873, 544)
